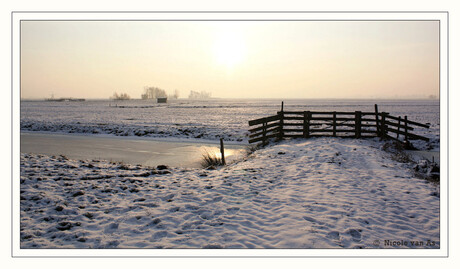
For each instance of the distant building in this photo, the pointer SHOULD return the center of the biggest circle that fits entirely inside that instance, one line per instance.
(162, 99)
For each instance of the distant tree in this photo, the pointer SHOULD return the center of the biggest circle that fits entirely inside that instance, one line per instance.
(153, 92)
(199, 95)
(125, 96)
(122, 96)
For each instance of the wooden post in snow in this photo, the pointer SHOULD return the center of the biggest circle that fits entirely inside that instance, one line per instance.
(357, 124)
(281, 115)
(334, 123)
(306, 124)
(405, 129)
(377, 119)
(264, 133)
(383, 124)
(222, 150)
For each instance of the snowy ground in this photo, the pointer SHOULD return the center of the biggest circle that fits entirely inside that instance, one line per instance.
(316, 193)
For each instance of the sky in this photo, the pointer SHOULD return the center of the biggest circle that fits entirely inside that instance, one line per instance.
(231, 59)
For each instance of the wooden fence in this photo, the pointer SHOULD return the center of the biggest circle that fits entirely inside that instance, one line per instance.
(358, 124)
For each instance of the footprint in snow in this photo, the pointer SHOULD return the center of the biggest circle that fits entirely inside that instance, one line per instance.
(168, 198)
(355, 234)
(191, 207)
(159, 235)
(206, 215)
(318, 208)
(333, 235)
(217, 199)
(111, 228)
(233, 210)
(310, 219)
(174, 209)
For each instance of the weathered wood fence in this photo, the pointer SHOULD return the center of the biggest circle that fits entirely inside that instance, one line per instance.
(358, 124)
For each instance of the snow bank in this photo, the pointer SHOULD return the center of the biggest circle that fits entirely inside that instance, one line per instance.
(316, 193)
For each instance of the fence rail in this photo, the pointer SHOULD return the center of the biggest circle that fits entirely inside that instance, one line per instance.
(305, 124)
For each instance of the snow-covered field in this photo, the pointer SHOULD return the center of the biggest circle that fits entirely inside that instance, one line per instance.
(316, 193)
(201, 119)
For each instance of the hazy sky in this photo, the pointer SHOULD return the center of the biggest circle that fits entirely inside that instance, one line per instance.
(246, 59)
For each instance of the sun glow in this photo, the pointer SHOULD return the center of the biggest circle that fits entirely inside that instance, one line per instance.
(230, 49)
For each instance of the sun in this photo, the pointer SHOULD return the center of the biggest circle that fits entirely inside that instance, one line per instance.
(229, 50)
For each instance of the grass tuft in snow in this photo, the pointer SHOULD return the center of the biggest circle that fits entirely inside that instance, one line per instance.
(210, 159)
(397, 150)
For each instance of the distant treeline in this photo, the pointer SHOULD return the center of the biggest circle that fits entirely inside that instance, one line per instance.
(122, 96)
(155, 92)
(199, 95)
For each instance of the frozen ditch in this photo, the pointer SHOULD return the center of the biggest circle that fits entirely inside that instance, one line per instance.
(143, 151)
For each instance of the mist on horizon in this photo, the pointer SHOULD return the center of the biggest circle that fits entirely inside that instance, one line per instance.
(238, 59)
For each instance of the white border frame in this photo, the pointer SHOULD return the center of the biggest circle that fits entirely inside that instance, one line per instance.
(17, 17)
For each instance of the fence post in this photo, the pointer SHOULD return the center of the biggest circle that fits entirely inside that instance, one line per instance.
(281, 133)
(281, 114)
(405, 129)
(222, 150)
(399, 124)
(383, 124)
(334, 123)
(264, 132)
(357, 124)
(377, 119)
(306, 124)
